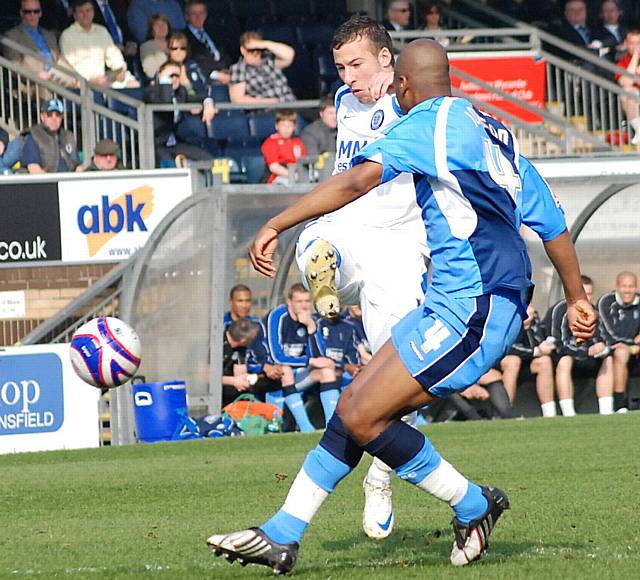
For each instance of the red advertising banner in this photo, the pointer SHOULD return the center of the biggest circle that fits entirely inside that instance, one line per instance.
(523, 76)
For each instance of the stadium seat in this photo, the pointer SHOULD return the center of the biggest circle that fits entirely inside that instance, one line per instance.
(230, 125)
(313, 35)
(279, 33)
(261, 125)
(292, 10)
(302, 74)
(331, 12)
(327, 72)
(220, 93)
(252, 13)
(254, 168)
(239, 147)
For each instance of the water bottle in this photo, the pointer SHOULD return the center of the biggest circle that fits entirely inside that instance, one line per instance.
(274, 425)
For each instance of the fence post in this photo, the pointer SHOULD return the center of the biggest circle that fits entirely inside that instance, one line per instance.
(145, 137)
(87, 119)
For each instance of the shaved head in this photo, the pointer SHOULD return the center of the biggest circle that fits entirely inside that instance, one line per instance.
(421, 73)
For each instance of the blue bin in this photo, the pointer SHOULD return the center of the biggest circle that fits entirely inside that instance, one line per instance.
(160, 412)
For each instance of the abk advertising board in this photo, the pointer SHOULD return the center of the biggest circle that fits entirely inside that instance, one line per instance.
(522, 75)
(44, 405)
(108, 220)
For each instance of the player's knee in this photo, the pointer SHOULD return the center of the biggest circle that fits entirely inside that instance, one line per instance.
(327, 375)
(287, 376)
(511, 363)
(357, 423)
(621, 353)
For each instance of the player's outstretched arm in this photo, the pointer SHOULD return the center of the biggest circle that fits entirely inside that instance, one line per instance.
(580, 313)
(330, 195)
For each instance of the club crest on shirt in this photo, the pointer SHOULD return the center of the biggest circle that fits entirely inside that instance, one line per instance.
(300, 332)
(377, 119)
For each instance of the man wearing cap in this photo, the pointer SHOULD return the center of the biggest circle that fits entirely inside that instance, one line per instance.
(105, 157)
(48, 148)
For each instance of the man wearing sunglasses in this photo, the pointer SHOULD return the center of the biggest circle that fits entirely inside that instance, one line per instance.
(398, 16)
(31, 35)
(48, 147)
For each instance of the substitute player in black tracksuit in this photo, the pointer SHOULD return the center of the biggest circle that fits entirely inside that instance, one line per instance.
(530, 348)
(619, 312)
(585, 359)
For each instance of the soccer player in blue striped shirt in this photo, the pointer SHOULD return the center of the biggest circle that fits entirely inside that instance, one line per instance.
(475, 191)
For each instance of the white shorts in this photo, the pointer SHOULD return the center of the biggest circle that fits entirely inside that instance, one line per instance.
(379, 269)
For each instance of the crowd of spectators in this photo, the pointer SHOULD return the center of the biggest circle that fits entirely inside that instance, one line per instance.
(294, 359)
(122, 44)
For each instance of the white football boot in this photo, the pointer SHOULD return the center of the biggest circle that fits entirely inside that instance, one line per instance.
(377, 517)
(320, 274)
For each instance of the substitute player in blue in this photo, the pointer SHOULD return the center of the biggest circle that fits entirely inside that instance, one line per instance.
(475, 191)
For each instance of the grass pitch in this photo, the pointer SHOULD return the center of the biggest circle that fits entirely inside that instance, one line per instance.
(145, 511)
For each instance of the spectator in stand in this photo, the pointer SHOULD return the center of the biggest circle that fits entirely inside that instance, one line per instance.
(631, 62)
(320, 136)
(432, 21)
(270, 377)
(173, 130)
(56, 15)
(48, 148)
(140, 11)
(619, 312)
(105, 157)
(610, 31)
(585, 358)
(530, 347)
(90, 50)
(336, 340)
(9, 154)
(574, 30)
(155, 51)
(282, 149)
(235, 376)
(291, 341)
(112, 14)
(31, 35)
(257, 77)
(398, 16)
(191, 75)
(207, 50)
(354, 316)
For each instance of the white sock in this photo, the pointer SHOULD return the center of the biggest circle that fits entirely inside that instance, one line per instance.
(446, 483)
(605, 405)
(379, 472)
(304, 498)
(567, 408)
(549, 409)
(635, 123)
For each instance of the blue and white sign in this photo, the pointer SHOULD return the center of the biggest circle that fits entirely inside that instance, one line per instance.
(31, 394)
(43, 403)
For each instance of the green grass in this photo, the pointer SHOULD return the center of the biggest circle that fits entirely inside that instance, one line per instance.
(145, 511)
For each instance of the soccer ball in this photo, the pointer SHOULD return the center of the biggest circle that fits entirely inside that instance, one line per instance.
(105, 352)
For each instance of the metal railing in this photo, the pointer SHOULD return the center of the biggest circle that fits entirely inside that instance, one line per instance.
(101, 299)
(92, 112)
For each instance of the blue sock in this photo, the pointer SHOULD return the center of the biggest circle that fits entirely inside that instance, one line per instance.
(329, 395)
(331, 461)
(472, 506)
(414, 458)
(275, 398)
(295, 403)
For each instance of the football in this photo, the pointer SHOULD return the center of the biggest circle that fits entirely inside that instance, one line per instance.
(105, 352)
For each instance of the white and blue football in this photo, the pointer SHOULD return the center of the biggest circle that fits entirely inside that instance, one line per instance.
(105, 352)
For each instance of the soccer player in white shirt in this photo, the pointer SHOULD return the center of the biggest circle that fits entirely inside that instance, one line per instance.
(372, 251)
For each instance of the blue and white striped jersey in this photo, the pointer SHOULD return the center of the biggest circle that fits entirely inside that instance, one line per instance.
(474, 190)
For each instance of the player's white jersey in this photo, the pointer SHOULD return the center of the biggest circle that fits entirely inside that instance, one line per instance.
(390, 205)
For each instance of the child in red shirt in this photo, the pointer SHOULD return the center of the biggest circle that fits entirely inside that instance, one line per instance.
(282, 148)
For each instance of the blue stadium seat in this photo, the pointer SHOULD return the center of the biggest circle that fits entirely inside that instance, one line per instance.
(254, 168)
(327, 72)
(279, 33)
(302, 75)
(230, 125)
(252, 13)
(261, 125)
(292, 10)
(332, 12)
(312, 35)
(220, 93)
